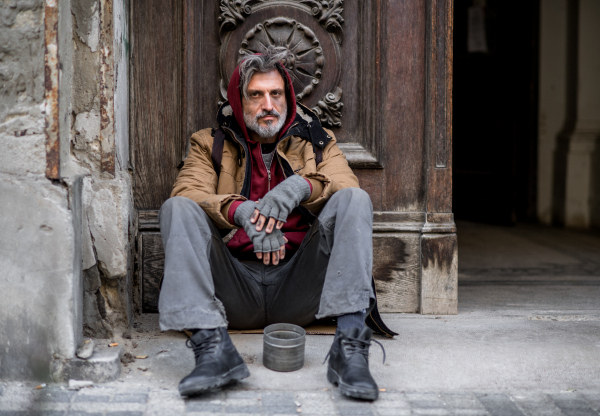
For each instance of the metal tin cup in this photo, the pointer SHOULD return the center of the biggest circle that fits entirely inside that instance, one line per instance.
(283, 347)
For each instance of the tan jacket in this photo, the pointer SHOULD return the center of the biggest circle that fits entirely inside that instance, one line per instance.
(199, 182)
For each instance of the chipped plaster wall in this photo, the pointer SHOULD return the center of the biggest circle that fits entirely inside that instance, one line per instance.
(60, 238)
(40, 248)
(107, 198)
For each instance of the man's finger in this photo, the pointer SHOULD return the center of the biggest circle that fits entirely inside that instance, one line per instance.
(259, 255)
(270, 225)
(282, 252)
(260, 223)
(275, 257)
(266, 258)
(285, 239)
(254, 216)
(279, 224)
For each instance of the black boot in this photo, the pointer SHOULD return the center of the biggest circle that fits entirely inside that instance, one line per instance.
(348, 365)
(217, 362)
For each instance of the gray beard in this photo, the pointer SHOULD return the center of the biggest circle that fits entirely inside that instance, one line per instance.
(272, 128)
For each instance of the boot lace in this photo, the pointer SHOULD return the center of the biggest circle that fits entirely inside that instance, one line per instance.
(357, 346)
(207, 345)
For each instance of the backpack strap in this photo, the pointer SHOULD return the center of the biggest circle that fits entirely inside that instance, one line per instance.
(217, 149)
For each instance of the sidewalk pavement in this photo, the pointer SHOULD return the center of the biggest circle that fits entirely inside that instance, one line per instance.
(526, 341)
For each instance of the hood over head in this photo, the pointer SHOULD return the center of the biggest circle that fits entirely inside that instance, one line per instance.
(234, 96)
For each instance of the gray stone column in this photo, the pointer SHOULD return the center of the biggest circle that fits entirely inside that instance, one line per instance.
(582, 200)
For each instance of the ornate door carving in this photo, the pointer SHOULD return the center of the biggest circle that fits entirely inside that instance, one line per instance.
(378, 73)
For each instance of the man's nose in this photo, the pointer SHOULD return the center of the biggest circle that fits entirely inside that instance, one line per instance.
(268, 103)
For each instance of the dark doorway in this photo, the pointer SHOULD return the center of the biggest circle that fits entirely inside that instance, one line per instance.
(495, 110)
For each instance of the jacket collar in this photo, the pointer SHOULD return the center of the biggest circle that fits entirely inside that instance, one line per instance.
(306, 125)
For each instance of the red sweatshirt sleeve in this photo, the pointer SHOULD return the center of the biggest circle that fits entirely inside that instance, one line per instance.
(232, 209)
(309, 184)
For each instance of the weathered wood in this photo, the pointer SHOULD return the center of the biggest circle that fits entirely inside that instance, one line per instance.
(358, 157)
(402, 85)
(439, 274)
(151, 269)
(148, 220)
(157, 112)
(371, 181)
(201, 66)
(439, 106)
(397, 269)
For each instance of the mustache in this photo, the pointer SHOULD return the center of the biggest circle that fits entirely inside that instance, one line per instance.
(266, 113)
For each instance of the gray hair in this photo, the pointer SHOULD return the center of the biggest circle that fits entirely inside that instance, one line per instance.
(265, 62)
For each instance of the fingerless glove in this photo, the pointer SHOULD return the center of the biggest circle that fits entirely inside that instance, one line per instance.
(263, 242)
(279, 202)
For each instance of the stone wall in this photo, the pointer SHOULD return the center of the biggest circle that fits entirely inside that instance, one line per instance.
(107, 198)
(65, 240)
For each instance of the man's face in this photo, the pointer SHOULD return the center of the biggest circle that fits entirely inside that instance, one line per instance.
(266, 109)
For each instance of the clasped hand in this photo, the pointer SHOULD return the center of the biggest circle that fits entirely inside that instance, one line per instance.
(275, 206)
(259, 220)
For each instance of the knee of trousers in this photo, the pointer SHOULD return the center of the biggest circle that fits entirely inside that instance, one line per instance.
(182, 207)
(353, 196)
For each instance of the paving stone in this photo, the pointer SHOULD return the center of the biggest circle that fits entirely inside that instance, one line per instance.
(393, 412)
(388, 395)
(58, 396)
(83, 413)
(392, 404)
(430, 412)
(499, 404)
(243, 402)
(427, 404)
(242, 409)
(421, 396)
(352, 407)
(461, 401)
(469, 412)
(538, 404)
(593, 400)
(280, 410)
(573, 406)
(91, 398)
(131, 398)
(203, 407)
(277, 398)
(283, 403)
(243, 394)
(32, 412)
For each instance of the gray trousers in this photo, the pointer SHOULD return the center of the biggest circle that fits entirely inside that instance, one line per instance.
(204, 286)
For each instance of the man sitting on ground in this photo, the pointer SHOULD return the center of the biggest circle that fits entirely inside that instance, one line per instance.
(273, 175)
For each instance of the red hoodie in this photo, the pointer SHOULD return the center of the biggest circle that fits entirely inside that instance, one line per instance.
(296, 225)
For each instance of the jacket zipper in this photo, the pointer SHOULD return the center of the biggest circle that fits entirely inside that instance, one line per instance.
(268, 172)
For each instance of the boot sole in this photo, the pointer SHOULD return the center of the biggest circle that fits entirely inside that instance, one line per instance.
(350, 391)
(235, 374)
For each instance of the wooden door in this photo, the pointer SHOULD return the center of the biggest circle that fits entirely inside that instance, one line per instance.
(378, 73)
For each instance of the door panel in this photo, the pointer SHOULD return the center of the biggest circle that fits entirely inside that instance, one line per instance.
(156, 95)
